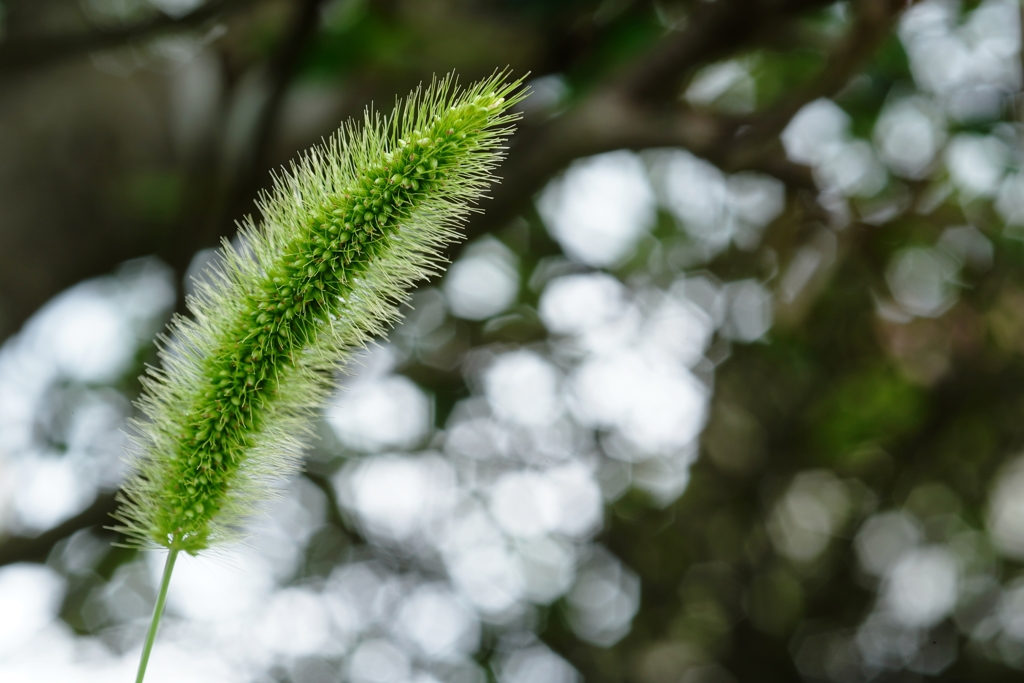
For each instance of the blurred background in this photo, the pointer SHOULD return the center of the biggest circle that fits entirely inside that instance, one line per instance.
(726, 384)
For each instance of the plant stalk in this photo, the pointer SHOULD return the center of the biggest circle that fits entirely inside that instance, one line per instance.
(158, 612)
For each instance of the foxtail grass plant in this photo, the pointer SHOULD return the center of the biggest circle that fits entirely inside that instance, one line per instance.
(345, 234)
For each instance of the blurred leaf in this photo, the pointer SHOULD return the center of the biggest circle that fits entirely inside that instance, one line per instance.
(869, 406)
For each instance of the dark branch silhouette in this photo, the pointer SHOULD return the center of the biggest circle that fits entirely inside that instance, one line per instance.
(20, 54)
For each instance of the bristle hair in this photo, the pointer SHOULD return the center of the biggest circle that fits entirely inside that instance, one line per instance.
(345, 233)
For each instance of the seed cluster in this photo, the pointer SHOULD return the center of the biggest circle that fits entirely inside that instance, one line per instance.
(277, 330)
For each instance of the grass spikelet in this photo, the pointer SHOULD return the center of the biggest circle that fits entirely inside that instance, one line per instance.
(344, 235)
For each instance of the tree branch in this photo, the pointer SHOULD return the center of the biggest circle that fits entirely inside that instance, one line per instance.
(280, 71)
(27, 53)
(38, 548)
(714, 30)
(874, 21)
(635, 110)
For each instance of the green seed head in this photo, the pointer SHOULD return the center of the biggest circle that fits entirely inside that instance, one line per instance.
(344, 235)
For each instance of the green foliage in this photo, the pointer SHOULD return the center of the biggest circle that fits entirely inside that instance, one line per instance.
(344, 235)
(867, 407)
(155, 196)
(777, 73)
(351, 39)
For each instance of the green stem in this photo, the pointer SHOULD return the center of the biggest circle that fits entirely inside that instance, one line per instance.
(158, 612)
